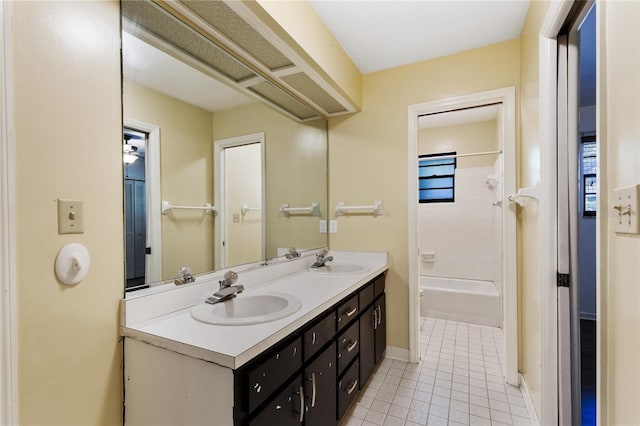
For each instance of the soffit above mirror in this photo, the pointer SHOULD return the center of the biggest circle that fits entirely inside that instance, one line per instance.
(228, 40)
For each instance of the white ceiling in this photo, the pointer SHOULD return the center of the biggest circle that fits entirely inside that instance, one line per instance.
(384, 34)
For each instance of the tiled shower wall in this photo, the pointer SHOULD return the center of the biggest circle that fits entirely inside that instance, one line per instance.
(462, 233)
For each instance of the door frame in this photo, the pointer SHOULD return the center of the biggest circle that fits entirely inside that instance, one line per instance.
(507, 121)
(153, 261)
(548, 84)
(8, 262)
(219, 145)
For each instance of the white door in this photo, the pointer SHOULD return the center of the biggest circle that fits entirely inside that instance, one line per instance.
(242, 204)
(239, 194)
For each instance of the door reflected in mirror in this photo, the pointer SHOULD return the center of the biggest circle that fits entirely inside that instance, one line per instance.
(200, 142)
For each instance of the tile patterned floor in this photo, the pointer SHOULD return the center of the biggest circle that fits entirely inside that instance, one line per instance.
(458, 382)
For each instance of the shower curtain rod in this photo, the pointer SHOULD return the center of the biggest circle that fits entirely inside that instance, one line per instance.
(471, 154)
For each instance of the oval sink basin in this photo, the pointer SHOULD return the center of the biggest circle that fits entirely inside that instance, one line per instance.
(247, 309)
(339, 269)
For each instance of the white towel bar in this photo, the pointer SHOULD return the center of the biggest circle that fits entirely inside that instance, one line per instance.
(314, 210)
(376, 208)
(166, 206)
(244, 209)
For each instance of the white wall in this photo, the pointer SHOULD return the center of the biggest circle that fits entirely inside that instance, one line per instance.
(460, 233)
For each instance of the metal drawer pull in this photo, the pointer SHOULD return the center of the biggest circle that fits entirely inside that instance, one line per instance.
(313, 390)
(301, 393)
(352, 311)
(313, 338)
(375, 319)
(379, 310)
(352, 346)
(353, 387)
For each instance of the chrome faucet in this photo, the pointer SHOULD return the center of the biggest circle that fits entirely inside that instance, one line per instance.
(184, 276)
(293, 253)
(322, 258)
(227, 290)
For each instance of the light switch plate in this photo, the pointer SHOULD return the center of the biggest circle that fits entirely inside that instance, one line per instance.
(323, 226)
(333, 226)
(625, 210)
(70, 217)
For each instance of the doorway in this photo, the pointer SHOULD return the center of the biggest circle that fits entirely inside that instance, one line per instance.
(505, 98)
(577, 201)
(146, 138)
(135, 207)
(240, 191)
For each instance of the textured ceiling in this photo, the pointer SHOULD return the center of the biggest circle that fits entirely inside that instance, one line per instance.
(384, 34)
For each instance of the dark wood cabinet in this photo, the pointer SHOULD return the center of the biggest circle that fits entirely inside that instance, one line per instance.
(314, 375)
(320, 389)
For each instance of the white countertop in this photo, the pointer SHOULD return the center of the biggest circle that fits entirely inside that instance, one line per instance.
(163, 319)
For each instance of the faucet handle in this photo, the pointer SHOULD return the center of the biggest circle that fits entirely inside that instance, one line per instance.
(322, 253)
(293, 253)
(230, 277)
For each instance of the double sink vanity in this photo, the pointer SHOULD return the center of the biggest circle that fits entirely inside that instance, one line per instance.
(294, 347)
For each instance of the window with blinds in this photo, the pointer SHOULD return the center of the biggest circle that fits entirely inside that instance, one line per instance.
(436, 178)
(589, 176)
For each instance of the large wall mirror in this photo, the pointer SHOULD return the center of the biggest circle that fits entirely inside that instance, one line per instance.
(220, 167)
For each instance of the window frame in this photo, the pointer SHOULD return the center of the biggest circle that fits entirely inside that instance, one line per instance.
(454, 163)
(590, 139)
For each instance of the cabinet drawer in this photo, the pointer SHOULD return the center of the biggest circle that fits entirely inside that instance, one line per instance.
(347, 312)
(379, 285)
(274, 369)
(285, 409)
(319, 334)
(366, 296)
(348, 347)
(347, 389)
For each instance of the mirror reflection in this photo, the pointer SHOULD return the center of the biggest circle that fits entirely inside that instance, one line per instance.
(208, 167)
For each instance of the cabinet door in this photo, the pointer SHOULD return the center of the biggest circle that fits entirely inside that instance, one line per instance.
(367, 344)
(381, 327)
(285, 409)
(320, 389)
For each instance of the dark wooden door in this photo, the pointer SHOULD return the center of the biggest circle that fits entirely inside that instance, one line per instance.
(381, 327)
(367, 344)
(320, 389)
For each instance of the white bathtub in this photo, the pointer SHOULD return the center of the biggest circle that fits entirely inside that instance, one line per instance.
(476, 302)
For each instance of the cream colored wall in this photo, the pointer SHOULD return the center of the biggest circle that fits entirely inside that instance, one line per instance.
(528, 219)
(368, 155)
(619, 289)
(296, 168)
(66, 92)
(481, 136)
(298, 20)
(186, 170)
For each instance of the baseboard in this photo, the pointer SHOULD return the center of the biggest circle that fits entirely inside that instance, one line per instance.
(527, 400)
(400, 354)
